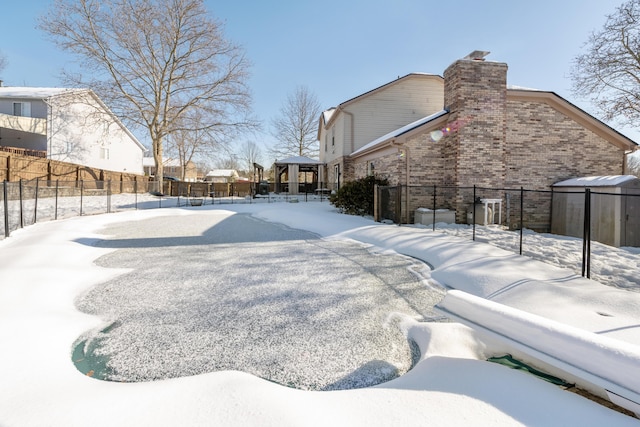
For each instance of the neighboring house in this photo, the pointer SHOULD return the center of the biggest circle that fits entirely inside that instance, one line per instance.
(171, 168)
(486, 134)
(225, 176)
(360, 120)
(69, 125)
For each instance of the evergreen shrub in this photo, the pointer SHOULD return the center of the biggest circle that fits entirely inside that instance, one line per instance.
(356, 197)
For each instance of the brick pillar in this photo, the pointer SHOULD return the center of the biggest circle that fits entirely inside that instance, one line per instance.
(475, 92)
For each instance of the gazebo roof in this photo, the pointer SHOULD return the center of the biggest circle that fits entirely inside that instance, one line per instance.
(298, 160)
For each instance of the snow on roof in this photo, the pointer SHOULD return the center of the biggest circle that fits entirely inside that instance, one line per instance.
(300, 160)
(33, 92)
(223, 172)
(596, 181)
(515, 87)
(402, 130)
(326, 115)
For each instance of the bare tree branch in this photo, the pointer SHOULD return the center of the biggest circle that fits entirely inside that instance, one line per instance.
(3, 61)
(608, 73)
(154, 62)
(296, 126)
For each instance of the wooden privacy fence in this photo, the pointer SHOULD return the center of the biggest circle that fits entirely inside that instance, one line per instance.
(14, 167)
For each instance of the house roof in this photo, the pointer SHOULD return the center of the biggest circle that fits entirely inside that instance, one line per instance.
(299, 160)
(513, 92)
(34, 92)
(596, 181)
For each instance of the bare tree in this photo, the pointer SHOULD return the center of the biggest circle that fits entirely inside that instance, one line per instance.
(193, 139)
(3, 61)
(608, 73)
(250, 153)
(296, 127)
(154, 62)
(633, 164)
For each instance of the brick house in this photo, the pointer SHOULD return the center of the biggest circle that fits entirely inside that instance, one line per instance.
(487, 134)
(358, 121)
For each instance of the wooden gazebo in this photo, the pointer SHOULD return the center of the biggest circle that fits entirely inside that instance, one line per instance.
(291, 168)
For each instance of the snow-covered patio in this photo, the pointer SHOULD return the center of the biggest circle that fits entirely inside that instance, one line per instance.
(48, 266)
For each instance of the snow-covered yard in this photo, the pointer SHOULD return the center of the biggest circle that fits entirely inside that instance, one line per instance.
(50, 267)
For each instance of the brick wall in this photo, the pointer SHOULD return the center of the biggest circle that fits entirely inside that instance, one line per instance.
(476, 93)
(545, 146)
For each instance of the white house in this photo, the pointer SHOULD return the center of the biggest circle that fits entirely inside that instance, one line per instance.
(69, 125)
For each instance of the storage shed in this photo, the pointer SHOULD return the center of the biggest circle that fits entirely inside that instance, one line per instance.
(615, 209)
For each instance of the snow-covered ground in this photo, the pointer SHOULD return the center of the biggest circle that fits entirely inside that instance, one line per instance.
(49, 267)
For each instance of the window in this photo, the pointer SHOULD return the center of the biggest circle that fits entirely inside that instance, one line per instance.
(22, 109)
(104, 153)
(370, 168)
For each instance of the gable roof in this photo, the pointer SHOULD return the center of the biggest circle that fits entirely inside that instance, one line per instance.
(565, 107)
(331, 114)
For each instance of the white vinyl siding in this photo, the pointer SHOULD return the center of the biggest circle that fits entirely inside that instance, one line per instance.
(394, 107)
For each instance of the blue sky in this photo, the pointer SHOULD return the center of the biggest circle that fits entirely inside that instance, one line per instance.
(340, 48)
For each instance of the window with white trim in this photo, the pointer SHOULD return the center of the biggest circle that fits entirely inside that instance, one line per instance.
(22, 109)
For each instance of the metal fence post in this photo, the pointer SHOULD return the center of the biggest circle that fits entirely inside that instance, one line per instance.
(434, 209)
(399, 204)
(109, 196)
(21, 206)
(586, 235)
(473, 214)
(55, 214)
(81, 194)
(6, 208)
(35, 209)
(521, 216)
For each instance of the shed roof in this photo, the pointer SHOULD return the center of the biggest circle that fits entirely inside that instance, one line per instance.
(597, 181)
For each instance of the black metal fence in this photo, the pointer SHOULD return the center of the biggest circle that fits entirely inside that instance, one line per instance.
(612, 219)
(24, 202)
